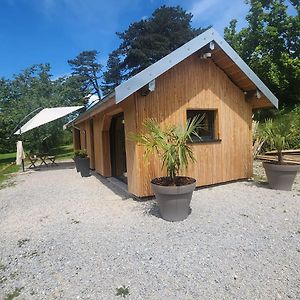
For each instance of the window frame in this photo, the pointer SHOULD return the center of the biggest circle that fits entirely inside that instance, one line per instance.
(214, 125)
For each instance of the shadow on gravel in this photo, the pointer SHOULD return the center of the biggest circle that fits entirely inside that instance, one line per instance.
(52, 167)
(119, 188)
(121, 192)
(154, 210)
(259, 184)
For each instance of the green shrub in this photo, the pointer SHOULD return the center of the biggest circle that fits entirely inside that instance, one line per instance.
(281, 132)
(81, 153)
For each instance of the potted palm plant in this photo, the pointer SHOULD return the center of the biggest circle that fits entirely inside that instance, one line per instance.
(277, 134)
(173, 192)
(84, 163)
(75, 158)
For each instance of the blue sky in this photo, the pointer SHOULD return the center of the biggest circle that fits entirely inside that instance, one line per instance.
(53, 31)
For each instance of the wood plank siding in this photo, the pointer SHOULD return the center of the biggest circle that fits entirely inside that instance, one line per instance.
(192, 84)
(196, 84)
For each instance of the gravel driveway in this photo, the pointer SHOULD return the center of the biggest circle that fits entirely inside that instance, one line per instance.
(67, 237)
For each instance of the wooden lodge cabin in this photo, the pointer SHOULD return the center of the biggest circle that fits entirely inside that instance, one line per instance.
(203, 76)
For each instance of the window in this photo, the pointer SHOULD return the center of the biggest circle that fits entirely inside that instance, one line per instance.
(207, 129)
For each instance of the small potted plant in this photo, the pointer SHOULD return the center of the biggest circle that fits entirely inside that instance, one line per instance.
(173, 192)
(75, 158)
(277, 134)
(84, 163)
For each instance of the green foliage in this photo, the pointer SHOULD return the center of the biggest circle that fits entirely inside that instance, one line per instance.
(112, 77)
(280, 131)
(7, 167)
(171, 144)
(294, 143)
(146, 41)
(86, 70)
(27, 91)
(16, 293)
(63, 152)
(270, 44)
(6, 159)
(122, 291)
(81, 153)
(5, 176)
(76, 153)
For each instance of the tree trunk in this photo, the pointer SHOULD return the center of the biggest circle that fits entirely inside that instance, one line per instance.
(96, 85)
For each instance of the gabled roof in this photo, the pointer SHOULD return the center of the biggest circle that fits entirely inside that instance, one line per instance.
(141, 79)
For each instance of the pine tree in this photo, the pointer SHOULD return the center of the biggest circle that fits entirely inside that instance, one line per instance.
(112, 77)
(86, 68)
(148, 40)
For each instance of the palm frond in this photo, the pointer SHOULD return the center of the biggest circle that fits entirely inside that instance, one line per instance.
(170, 143)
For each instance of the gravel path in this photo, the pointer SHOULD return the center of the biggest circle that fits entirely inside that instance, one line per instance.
(67, 237)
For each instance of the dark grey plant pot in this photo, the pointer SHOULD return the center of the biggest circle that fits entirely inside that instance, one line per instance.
(76, 163)
(84, 166)
(280, 177)
(174, 201)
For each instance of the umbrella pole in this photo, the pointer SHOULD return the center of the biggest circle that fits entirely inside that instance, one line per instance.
(23, 167)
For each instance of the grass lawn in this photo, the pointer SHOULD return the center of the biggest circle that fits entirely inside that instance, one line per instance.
(6, 159)
(7, 166)
(63, 152)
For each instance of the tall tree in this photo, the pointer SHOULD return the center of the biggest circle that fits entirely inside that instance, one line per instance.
(112, 77)
(270, 44)
(86, 68)
(148, 40)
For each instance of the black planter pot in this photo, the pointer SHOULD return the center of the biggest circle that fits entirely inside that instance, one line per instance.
(84, 166)
(174, 201)
(280, 177)
(76, 163)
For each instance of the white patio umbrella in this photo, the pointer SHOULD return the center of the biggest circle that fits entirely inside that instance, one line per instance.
(45, 116)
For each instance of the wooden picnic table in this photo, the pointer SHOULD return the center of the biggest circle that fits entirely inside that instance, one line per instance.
(43, 157)
(52, 160)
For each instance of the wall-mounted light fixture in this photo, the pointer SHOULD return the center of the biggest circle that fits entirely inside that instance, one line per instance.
(206, 55)
(150, 87)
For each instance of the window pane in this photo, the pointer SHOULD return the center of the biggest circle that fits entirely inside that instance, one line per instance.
(206, 130)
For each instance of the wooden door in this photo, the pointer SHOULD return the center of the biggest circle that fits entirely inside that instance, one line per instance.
(117, 147)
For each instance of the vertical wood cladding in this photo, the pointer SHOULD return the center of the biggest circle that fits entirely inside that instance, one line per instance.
(193, 84)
